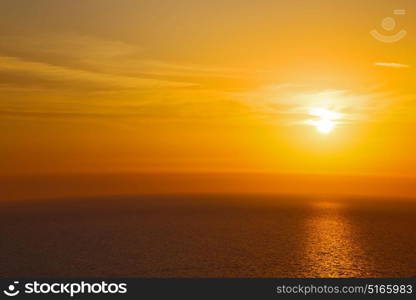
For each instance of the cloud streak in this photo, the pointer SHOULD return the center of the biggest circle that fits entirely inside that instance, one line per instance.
(81, 61)
(49, 75)
(391, 65)
(290, 103)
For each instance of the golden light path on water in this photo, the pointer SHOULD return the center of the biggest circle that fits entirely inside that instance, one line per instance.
(331, 250)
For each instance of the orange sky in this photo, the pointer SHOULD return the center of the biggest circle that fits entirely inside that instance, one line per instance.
(209, 86)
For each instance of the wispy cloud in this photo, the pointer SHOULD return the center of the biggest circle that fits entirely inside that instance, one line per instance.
(391, 65)
(77, 77)
(290, 103)
(77, 61)
(25, 73)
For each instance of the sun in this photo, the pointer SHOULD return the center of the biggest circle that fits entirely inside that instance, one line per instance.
(326, 120)
(323, 126)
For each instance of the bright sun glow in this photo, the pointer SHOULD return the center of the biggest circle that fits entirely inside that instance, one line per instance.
(326, 121)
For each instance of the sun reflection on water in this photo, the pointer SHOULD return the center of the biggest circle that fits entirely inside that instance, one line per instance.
(331, 250)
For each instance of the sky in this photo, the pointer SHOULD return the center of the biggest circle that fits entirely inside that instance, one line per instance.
(297, 87)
